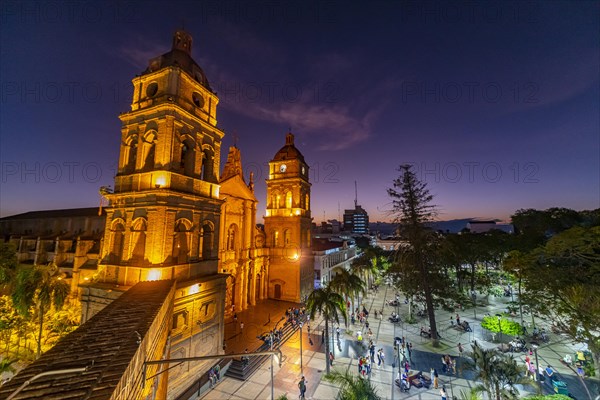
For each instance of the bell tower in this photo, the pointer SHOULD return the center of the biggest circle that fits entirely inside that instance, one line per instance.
(287, 225)
(163, 222)
(163, 219)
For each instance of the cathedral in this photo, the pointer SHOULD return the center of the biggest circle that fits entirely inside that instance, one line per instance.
(172, 216)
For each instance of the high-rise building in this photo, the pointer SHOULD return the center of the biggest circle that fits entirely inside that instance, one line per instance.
(356, 220)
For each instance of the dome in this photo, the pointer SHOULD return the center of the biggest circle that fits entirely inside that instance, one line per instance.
(180, 56)
(289, 151)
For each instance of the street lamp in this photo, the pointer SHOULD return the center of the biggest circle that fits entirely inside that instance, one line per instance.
(535, 346)
(394, 366)
(301, 370)
(500, 327)
(272, 376)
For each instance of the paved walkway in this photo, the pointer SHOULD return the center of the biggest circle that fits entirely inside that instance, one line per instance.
(347, 351)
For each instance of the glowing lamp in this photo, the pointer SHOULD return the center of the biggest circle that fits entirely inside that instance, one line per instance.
(160, 182)
(194, 288)
(154, 275)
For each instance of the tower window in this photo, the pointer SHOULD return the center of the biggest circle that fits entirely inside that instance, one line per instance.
(198, 99)
(152, 89)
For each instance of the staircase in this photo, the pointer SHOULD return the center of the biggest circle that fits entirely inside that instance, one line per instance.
(238, 370)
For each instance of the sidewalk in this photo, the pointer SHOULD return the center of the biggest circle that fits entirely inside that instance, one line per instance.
(424, 356)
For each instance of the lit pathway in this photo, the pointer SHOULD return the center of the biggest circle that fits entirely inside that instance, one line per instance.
(424, 357)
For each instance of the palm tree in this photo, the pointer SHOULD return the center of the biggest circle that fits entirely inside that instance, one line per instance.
(40, 287)
(330, 305)
(353, 387)
(346, 283)
(497, 373)
(483, 362)
(508, 374)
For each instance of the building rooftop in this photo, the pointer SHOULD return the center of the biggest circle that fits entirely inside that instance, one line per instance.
(289, 151)
(105, 344)
(64, 213)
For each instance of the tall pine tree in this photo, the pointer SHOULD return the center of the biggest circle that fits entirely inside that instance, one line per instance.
(412, 207)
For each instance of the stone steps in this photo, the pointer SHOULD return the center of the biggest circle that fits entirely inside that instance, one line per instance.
(238, 370)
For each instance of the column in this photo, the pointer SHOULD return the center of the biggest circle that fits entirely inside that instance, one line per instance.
(253, 284)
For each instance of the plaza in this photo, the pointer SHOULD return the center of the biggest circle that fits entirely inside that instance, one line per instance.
(424, 355)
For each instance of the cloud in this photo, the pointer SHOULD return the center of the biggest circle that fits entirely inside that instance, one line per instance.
(139, 50)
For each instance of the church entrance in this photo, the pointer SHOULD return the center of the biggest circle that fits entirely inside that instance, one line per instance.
(277, 291)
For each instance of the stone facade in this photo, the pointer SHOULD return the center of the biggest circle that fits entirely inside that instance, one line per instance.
(288, 224)
(164, 215)
(171, 217)
(242, 254)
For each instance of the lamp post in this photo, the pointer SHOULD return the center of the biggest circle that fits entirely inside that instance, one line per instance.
(394, 366)
(500, 327)
(301, 370)
(272, 376)
(537, 365)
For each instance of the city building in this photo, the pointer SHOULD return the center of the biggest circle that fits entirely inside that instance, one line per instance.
(356, 221)
(330, 255)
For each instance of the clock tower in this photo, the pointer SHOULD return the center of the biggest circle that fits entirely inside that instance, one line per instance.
(287, 225)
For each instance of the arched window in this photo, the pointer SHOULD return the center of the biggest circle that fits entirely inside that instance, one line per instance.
(287, 236)
(187, 157)
(149, 150)
(138, 252)
(307, 202)
(232, 237)
(275, 238)
(288, 200)
(181, 242)
(132, 154)
(207, 166)
(117, 242)
(207, 240)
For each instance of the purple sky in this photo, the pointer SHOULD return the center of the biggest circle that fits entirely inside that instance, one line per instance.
(496, 104)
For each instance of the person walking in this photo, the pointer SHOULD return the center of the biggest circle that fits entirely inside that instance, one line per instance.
(443, 393)
(331, 358)
(457, 319)
(302, 387)
(460, 349)
(435, 379)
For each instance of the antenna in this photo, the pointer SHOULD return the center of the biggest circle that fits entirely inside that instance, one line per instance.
(339, 212)
(355, 195)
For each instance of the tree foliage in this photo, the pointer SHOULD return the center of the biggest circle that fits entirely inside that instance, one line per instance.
(8, 263)
(416, 263)
(497, 372)
(331, 306)
(39, 288)
(504, 325)
(353, 387)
